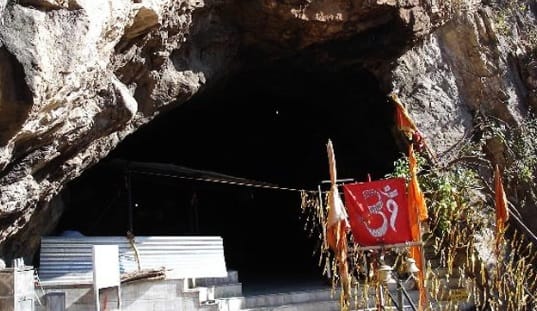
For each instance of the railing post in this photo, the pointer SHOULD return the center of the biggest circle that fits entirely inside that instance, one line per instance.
(400, 295)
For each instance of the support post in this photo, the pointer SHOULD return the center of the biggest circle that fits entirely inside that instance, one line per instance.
(400, 295)
(55, 301)
(128, 185)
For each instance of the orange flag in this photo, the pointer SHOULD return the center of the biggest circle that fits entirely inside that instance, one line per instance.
(415, 195)
(336, 233)
(408, 127)
(417, 211)
(502, 215)
(403, 120)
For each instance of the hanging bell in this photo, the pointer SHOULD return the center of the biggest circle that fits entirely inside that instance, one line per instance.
(411, 266)
(385, 274)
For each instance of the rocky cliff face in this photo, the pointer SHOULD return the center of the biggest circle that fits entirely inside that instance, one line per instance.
(462, 69)
(78, 76)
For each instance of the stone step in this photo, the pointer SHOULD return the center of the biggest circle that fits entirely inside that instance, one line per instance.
(329, 305)
(452, 289)
(232, 277)
(228, 290)
(320, 299)
(450, 283)
(289, 298)
(273, 300)
(453, 305)
(208, 294)
(434, 262)
(443, 272)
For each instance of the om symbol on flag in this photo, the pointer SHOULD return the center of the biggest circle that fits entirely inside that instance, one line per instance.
(378, 211)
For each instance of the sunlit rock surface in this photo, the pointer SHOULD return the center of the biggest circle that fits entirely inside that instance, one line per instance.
(78, 76)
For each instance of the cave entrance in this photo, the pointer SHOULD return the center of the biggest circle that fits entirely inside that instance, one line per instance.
(269, 125)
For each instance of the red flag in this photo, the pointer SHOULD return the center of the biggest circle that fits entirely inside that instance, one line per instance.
(417, 213)
(502, 215)
(378, 211)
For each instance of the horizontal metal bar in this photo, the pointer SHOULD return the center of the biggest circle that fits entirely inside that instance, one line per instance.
(386, 246)
(337, 181)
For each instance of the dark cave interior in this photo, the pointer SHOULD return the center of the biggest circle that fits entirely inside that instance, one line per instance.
(268, 124)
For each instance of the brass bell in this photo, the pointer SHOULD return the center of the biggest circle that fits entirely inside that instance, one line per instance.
(411, 266)
(385, 274)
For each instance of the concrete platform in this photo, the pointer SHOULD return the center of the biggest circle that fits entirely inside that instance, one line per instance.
(212, 294)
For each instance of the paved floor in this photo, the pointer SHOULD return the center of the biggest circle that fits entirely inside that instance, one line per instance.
(271, 284)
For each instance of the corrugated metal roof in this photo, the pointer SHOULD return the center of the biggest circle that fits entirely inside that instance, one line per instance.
(68, 260)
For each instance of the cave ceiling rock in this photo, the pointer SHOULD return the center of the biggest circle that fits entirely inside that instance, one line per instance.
(279, 25)
(147, 14)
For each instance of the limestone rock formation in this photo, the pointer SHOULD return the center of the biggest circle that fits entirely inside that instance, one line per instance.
(78, 76)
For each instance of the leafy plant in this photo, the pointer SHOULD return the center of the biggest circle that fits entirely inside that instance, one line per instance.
(461, 209)
(518, 154)
(451, 195)
(497, 270)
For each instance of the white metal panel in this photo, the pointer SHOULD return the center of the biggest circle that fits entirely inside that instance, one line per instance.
(68, 260)
(106, 266)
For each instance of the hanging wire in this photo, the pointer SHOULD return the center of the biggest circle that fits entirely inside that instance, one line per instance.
(246, 183)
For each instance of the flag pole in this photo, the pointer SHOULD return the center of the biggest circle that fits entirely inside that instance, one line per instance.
(336, 230)
(418, 213)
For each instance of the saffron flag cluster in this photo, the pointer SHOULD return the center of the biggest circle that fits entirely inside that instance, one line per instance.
(417, 214)
(416, 200)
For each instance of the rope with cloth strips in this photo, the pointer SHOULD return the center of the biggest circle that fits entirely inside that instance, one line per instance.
(255, 184)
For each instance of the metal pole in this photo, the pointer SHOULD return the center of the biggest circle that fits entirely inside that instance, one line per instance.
(321, 216)
(344, 180)
(55, 301)
(423, 271)
(128, 185)
(409, 299)
(380, 295)
(400, 295)
(385, 246)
